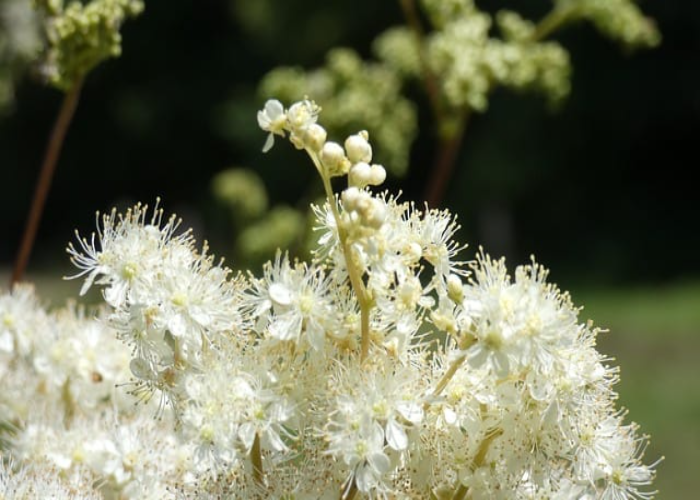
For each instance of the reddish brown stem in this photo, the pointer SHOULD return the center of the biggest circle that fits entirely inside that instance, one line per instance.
(53, 150)
(432, 87)
(444, 163)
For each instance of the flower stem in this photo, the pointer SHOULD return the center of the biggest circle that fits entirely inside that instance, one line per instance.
(430, 81)
(256, 458)
(355, 274)
(451, 134)
(551, 22)
(464, 344)
(450, 128)
(480, 457)
(53, 150)
(68, 401)
(447, 376)
(461, 493)
(348, 492)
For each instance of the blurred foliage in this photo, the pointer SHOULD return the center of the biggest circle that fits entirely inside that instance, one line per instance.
(20, 44)
(620, 20)
(258, 231)
(242, 191)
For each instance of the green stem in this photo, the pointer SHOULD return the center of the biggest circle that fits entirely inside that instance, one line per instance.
(461, 493)
(68, 401)
(554, 20)
(480, 457)
(464, 344)
(349, 492)
(355, 275)
(447, 376)
(48, 167)
(256, 459)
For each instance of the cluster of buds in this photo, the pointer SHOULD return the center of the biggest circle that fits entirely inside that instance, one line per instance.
(362, 213)
(82, 35)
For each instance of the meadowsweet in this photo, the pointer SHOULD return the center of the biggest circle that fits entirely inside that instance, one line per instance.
(386, 367)
(81, 35)
(43, 481)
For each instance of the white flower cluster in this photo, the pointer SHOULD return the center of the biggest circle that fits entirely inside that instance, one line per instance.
(385, 368)
(63, 418)
(471, 63)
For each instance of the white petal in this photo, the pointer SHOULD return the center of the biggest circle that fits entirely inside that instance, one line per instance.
(280, 294)
(7, 343)
(273, 108)
(364, 478)
(142, 369)
(246, 433)
(269, 142)
(395, 436)
(413, 412)
(275, 442)
(379, 462)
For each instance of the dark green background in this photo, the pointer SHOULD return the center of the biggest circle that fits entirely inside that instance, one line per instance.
(599, 191)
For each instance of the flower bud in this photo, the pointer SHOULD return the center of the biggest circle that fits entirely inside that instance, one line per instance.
(350, 198)
(333, 157)
(376, 215)
(377, 175)
(358, 148)
(360, 174)
(315, 137)
(455, 291)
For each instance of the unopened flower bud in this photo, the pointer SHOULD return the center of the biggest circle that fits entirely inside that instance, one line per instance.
(358, 148)
(315, 137)
(455, 290)
(377, 175)
(350, 198)
(376, 216)
(360, 174)
(333, 157)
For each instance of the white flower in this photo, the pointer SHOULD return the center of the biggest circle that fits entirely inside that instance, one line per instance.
(42, 480)
(359, 443)
(227, 407)
(291, 303)
(300, 116)
(23, 322)
(272, 119)
(130, 251)
(436, 231)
